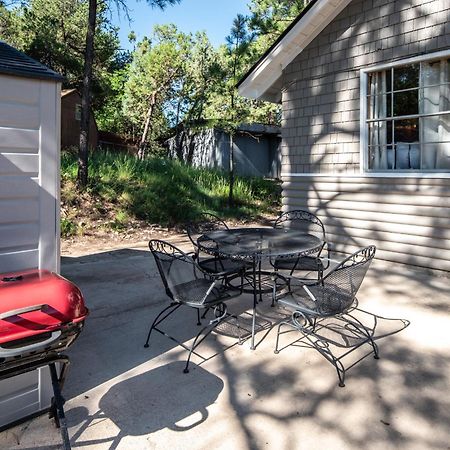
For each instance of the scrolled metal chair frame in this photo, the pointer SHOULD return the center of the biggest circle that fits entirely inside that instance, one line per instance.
(338, 288)
(213, 289)
(312, 263)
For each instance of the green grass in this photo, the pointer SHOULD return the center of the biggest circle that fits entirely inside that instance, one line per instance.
(162, 191)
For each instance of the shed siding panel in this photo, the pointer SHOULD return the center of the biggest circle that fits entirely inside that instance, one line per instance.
(410, 225)
(50, 175)
(19, 140)
(18, 90)
(19, 236)
(12, 163)
(17, 260)
(18, 187)
(19, 116)
(29, 170)
(19, 210)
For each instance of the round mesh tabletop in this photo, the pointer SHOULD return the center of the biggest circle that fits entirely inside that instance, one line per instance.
(258, 243)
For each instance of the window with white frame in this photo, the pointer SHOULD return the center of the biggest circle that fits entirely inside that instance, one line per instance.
(408, 116)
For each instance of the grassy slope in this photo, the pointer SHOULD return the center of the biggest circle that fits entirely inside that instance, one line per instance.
(123, 190)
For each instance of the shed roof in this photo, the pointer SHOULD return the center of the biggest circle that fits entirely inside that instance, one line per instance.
(264, 80)
(13, 62)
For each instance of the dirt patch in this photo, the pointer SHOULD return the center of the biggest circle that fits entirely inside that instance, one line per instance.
(99, 240)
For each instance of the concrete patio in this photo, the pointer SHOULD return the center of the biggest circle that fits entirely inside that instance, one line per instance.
(122, 396)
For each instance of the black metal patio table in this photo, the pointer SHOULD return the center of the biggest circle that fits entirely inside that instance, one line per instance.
(254, 245)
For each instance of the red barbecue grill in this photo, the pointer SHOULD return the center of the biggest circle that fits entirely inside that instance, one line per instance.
(41, 314)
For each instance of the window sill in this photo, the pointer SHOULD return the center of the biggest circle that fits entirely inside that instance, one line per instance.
(421, 175)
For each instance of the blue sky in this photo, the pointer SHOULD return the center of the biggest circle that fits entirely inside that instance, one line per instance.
(215, 17)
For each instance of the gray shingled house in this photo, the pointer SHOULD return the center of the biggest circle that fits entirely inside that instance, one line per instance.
(365, 93)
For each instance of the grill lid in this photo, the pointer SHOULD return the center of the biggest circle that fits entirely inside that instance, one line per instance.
(37, 301)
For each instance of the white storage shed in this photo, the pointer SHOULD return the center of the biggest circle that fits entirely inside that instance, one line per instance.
(30, 97)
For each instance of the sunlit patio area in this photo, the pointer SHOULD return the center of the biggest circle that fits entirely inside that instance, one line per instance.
(122, 395)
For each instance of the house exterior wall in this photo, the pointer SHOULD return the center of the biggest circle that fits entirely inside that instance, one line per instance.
(406, 216)
(70, 127)
(29, 173)
(321, 108)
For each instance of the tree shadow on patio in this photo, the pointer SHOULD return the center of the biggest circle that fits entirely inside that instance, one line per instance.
(149, 402)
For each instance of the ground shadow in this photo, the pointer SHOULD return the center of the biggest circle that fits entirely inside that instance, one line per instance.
(160, 398)
(124, 293)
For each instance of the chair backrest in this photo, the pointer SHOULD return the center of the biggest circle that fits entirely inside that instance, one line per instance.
(343, 282)
(207, 222)
(174, 266)
(299, 219)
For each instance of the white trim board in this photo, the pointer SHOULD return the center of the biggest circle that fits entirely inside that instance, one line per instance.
(270, 68)
(443, 175)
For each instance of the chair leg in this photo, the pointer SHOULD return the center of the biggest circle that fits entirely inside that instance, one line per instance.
(362, 328)
(276, 351)
(173, 307)
(198, 318)
(198, 341)
(323, 348)
(218, 309)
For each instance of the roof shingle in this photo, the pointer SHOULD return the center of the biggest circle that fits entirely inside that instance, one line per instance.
(13, 62)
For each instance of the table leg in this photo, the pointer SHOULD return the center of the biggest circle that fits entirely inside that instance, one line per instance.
(259, 281)
(255, 301)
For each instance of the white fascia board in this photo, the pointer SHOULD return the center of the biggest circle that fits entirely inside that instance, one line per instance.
(305, 30)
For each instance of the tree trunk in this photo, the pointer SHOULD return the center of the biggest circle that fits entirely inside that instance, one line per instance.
(142, 144)
(82, 178)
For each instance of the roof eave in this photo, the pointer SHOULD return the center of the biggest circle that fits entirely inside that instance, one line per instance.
(266, 74)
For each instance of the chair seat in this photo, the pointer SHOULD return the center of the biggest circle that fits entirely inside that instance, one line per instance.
(214, 265)
(192, 293)
(330, 300)
(307, 263)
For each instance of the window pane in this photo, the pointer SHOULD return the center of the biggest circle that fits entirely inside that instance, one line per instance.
(431, 73)
(436, 129)
(406, 130)
(377, 133)
(381, 157)
(406, 103)
(377, 83)
(436, 156)
(406, 77)
(389, 80)
(402, 156)
(431, 100)
(377, 106)
(389, 105)
(389, 131)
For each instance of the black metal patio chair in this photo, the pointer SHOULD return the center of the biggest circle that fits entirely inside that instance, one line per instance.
(209, 262)
(188, 284)
(322, 311)
(313, 263)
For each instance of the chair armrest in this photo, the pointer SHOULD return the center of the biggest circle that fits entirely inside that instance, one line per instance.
(310, 294)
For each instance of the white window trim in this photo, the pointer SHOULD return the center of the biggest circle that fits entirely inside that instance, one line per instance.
(364, 138)
(391, 174)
